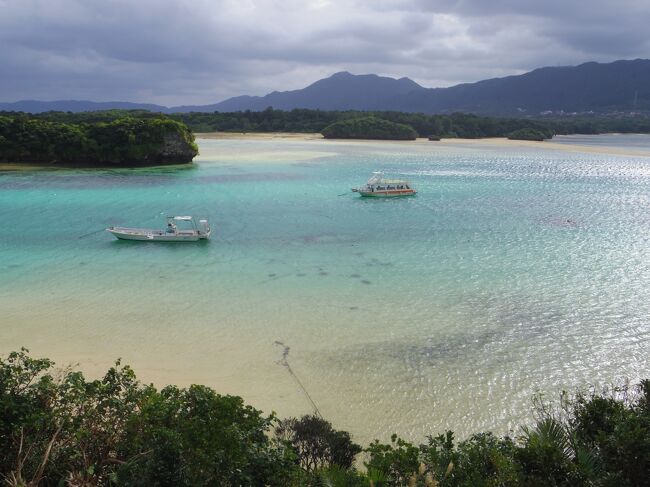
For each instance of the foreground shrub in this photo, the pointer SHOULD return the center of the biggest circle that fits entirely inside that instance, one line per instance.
(600, 439)
(116, 430)
(61, 429)
(317, 445)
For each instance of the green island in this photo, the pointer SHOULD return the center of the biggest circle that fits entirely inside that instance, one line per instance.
(369, 128)
(114, 140)
(58, 428)
(528, 134)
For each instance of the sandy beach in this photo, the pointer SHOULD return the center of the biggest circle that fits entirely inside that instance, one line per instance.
(258, 135)
(496, 142)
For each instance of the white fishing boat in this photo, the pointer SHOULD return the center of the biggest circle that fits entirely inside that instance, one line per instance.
(378, 187)
(189, 231)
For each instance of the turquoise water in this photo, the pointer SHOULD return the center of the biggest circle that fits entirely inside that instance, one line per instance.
(515, 269)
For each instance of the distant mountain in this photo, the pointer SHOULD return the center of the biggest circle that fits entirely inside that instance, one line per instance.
(601, 88)
(341, 91)
(621, 85)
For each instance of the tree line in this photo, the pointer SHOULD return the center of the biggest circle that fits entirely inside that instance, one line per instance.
(463, 125)
(315, 121)
(58, 428)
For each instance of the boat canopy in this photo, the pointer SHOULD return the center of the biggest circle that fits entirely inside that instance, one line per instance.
(182, 218)
(375, 178)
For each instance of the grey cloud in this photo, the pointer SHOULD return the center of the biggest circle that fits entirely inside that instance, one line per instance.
(202, 51)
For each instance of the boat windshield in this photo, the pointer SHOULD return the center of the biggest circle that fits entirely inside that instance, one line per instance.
(186, 223)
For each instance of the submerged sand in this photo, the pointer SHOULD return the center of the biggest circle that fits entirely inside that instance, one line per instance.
(501, 142)
(213, 314)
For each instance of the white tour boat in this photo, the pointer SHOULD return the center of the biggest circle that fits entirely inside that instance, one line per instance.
(385, 188)
(190, 233)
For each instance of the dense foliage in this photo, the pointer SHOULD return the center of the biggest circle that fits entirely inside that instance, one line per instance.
(311, 121)
(118, 431)
(317, 445)
(369, 128)
(95, 139)
(455, 125)
(96, 116)
(58, 428)
(314, 121)
(527, 134)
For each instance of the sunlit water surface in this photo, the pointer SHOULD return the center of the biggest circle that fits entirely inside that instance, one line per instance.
(514, 270)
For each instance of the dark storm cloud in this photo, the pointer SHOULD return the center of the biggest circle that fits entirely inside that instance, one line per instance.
(200, 51)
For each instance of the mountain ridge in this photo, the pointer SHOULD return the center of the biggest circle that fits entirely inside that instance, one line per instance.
(622, 85)
(342, 89)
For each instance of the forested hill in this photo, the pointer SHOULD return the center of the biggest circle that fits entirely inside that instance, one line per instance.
(620, 86)
(590, 87)
(341, 91)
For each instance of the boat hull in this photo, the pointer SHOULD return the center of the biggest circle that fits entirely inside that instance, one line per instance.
(387, 194)
(156, 235)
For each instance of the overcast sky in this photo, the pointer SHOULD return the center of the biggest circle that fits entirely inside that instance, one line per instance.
(175, 52)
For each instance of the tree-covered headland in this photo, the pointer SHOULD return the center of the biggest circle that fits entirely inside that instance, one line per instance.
(369, 128)
(528, 134)
(108, 140)
(58, 428)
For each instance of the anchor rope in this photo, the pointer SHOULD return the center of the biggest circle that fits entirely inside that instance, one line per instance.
(285, 363)
(91, 233)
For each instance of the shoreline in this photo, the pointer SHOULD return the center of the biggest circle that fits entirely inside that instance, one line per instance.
(39, 166)
(495, 142)
(259, 135)
(484, 143)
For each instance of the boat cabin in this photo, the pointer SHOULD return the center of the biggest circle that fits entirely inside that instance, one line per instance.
(377, 186)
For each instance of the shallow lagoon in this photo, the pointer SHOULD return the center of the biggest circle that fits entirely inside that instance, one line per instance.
(515, 269)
